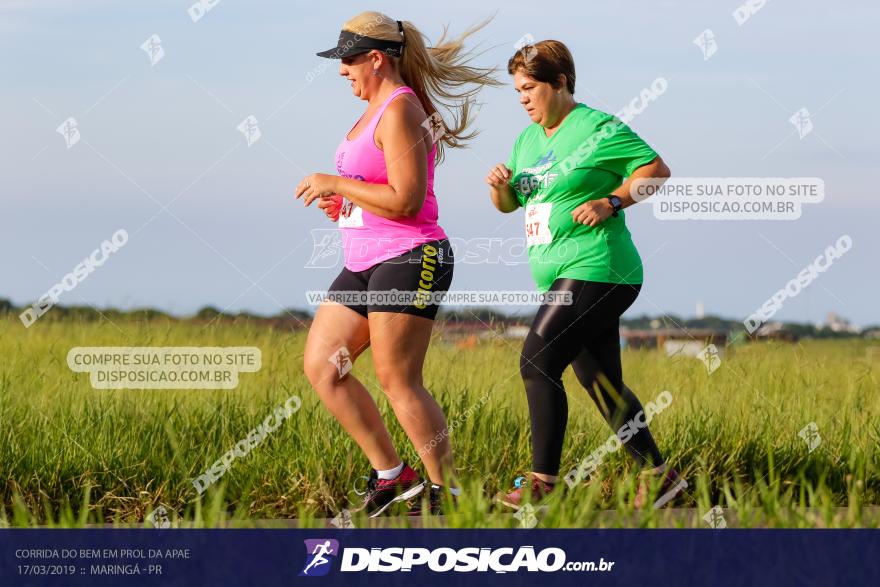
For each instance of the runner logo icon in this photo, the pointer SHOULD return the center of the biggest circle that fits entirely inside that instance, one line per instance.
(318, 553)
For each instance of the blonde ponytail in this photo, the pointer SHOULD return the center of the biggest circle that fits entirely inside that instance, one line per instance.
(439, 75)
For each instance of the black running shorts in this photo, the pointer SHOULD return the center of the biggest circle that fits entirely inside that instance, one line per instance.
(412, 283)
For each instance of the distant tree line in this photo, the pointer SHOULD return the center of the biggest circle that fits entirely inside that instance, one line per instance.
(294, 318)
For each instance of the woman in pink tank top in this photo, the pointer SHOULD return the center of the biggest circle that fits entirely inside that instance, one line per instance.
(398, 262)
(368, 238)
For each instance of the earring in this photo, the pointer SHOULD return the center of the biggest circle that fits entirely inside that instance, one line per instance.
(375, 72)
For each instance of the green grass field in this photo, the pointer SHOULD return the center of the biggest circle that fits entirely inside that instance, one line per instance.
(71, 455)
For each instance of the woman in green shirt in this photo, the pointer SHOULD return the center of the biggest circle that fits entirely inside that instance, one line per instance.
(567, 170)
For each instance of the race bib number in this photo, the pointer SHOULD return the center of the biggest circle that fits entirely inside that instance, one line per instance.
(350, 215)
(538, 224)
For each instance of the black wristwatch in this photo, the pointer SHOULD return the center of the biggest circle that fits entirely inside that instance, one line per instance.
(616, 204)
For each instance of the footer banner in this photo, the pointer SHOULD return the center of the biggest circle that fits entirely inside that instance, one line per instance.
(479, 557)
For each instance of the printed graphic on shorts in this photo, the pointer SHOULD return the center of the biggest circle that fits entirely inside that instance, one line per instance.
(426, 278)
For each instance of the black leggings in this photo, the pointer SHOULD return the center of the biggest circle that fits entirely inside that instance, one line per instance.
(585, 335)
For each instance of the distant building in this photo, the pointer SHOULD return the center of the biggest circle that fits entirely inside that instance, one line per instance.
(472, 331)
(511, 331)
(516, 331)
(774, 331)
(836, 323)
(684, 340)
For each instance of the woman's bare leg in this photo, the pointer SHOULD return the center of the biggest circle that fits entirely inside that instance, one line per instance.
(400, 342)
(336, 327)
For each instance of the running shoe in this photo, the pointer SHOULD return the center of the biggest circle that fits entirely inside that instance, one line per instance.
(672, 485)
(531, 485)
(434, 500)
(383, 493)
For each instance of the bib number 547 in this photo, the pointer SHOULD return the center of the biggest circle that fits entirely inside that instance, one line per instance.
(538, 224)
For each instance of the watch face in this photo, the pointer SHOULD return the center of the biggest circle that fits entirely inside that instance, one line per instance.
(615, 201)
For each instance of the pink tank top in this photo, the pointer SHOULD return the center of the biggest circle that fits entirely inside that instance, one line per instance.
(368, 239)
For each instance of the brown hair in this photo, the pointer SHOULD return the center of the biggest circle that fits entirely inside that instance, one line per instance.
(439, 75)
(544, 61)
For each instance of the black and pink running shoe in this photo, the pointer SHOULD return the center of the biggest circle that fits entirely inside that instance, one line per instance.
(536, 489)
(663, 488)
(438, 499)
(383, 493)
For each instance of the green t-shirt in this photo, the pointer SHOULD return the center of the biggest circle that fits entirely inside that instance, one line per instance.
(586, 159)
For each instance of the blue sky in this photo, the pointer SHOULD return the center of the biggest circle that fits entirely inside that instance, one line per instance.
(235, 238)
